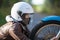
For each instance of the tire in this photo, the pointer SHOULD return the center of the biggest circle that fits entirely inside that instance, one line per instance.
(46, 30)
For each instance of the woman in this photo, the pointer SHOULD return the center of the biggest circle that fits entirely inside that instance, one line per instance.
(17, 22)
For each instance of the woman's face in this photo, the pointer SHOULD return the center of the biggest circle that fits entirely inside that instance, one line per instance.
(26, 18)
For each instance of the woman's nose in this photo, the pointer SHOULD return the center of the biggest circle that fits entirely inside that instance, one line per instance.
(27, 16)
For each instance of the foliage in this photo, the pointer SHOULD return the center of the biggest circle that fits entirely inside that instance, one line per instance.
(5, 9)
(52, 7)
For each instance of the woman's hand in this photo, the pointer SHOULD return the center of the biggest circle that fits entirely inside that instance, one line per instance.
(54, 38)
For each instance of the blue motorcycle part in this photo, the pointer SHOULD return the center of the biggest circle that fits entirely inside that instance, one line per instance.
(48, 18)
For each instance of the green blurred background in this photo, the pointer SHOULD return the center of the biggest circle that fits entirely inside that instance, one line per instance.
(50, 7)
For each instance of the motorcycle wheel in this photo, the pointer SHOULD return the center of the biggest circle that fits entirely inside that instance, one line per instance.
(45, 30)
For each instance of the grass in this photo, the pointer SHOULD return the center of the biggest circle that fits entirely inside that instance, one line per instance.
(3, 12)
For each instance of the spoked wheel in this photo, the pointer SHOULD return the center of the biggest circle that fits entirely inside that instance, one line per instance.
(45, 31)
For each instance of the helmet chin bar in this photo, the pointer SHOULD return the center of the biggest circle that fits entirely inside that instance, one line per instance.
(29, 20)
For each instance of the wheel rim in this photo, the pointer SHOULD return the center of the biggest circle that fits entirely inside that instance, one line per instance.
(47, 32)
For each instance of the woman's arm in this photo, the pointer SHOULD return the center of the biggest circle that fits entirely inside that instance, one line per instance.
(11, 32)
(56, 37)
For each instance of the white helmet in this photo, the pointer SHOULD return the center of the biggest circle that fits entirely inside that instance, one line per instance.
(23, 7)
